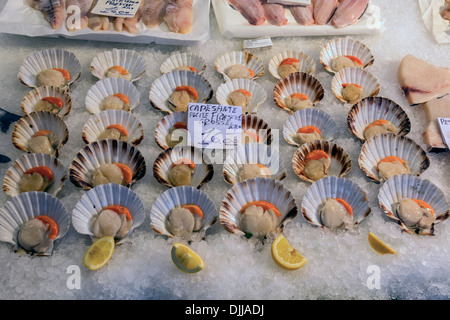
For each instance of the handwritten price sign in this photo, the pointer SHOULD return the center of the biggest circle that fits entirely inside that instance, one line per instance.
(117, 8)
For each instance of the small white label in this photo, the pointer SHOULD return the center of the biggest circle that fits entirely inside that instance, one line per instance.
(116, 8)
(444, 124)
(213, 126)
(258, 43)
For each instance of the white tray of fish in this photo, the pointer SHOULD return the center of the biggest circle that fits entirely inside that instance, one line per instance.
(257, 18)
(51, 18)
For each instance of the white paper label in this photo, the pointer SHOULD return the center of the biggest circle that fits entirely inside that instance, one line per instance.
(444, 124)
(258, 43)
(116, 8)
(213, 126)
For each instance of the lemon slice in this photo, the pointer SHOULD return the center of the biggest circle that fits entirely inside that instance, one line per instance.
(379, 246)
(186, 259)
(286, 256)
(99, 253)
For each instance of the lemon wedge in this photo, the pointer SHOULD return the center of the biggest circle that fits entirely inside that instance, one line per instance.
(186, 259)
(379, 246)
(286, 256)
(99, 253)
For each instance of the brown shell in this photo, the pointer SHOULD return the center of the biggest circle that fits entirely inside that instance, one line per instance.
(259, 126)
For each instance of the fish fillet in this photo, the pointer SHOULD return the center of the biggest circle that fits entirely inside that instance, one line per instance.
(129, 24)
(303, 15)
(153, 12)
(432, 136)
(422, 81)
(251, 10)
(73, 22)
(53, 11)
(179, 16)
(323, 10)
(96, 22)
(274, 13)
(349, 12)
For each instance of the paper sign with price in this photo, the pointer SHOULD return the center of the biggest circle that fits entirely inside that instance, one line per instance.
(444, 124)
(117, 8)
(214, 126)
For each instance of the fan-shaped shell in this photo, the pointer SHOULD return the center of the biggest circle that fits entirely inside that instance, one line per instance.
(166, 124)
(363, 78)
(247, 59)
(257, 125)
(177, 60)
(307, 64)
(28, 103)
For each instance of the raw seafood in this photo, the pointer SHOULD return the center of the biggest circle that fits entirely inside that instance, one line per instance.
(250, 171)
(391, 166)
(181, 174)
(351, 92)
(303, 15)
(96, 22)
(52, 9)
(343, 62)
(182, 221)
(274, 13)
(422, 81)
(415, 213)
(50, 77)
(378, 127)
(334, 213)
(252, 10)
(324, 9)
(179, 16)
(129, 24)
(349, 12)
(317, 165)
(112, 222)
(73, 21)
(307, 134)
(153, 12)
(256, 220)
(434, 109)
(298, 101)
(36, 235)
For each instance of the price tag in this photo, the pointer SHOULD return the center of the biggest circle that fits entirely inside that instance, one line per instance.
(116, 8)
(444, 125)
(214, 126)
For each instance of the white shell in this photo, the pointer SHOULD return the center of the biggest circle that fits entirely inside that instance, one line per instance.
(256, 189)
(100, 152)
(182, 60)
(94, 200)
(345, 47)
(108, 87)
(257, 125)
(163, 87)
(371, 109)
(247, 59)
(48, 59)
(409, 187)
(309, 117)
(334, 188)
(258, 93)
(15, 173)
(165, 125)
(98, 123)
(358, 76)
(204, 170)
(176, 197)
(130, 60)
(253, 153)
(389, 144)
(307, 64)
(31, 123)
(27, 206)
(34, 96)
(298, 82)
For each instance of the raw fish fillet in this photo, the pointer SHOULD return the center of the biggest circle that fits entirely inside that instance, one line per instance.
(349, 12)
(153, 12)
(6, 118)
(71, 20)
(179, 16)
(432, 136)
(251, 10)
(96, 22)
(53, 11)
(303, 15)
(324, 9)
(422, 81)
(274, 13)
(129, 24)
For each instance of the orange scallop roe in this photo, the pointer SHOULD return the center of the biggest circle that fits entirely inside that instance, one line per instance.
(119, 128)
(264, 168)
(53, 100)
(299, 96)
(187, 162)
(355, 59)
(52, 225)
(192, 69)
(390, 159)
(120, 69)
(126, 172)
(120, 210)
(346, 205)
(252, 73)
(64, 72)
(263, 204)
(289, 61)
(190, 90)
(245, 92)
(253, 135)
(379, 122)
(42, 133)
(309, 129)
(194, 209)
(316, 155)
(180, 125)
(424, 205)
(43, 171)
(345, 85)
(122, 97)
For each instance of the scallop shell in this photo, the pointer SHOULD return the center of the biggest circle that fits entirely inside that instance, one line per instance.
(340, 160)
(253, 153)
(31, 123)
(259, 126)
(94, 200)
(176, 197)
(48, 59)
(247, 59)
(100, 152)
(370, 109)
(165, 125)
(256, 189)
(409, 187)
(334, 188)
(258, 93)
(297, 82)
(29, 101)
(307, 64)
(204, 170)
(98, 123)
(17, 170)
(108, 87)
(163, 87)
(130, 60)
(181, 60)
(27, 206)
(358, 76)
(345, 47)
(309, 117)
(388, 144)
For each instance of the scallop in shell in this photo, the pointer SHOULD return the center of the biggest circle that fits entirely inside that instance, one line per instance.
(95, 200)
(252, 190)
(386, 145)
(355, 76)
(256, 125)
(192, 61)
(410, 187)
(47, 93)
(49, 59)
(247, 59)
(306, 63)
(371, 109)
(101, 152)
(27, 206)
(176, 198)
(167, 125)
(100, 122)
